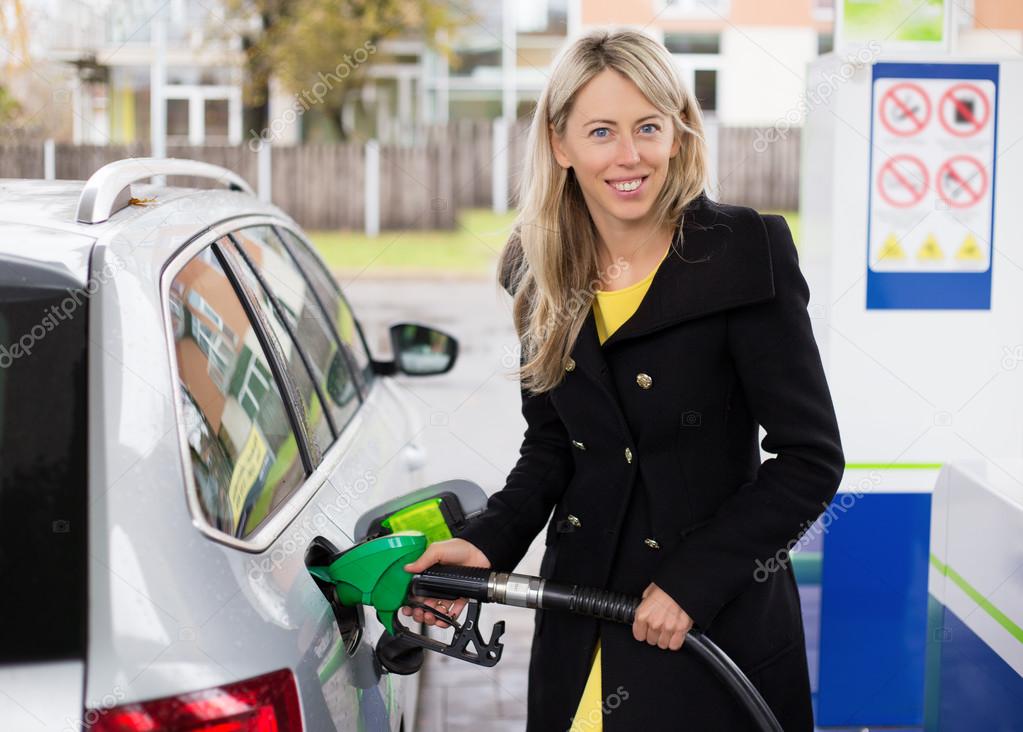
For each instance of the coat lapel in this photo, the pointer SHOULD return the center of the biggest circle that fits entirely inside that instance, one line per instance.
(725, 262)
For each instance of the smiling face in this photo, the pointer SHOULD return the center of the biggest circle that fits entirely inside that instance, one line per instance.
(619, 146)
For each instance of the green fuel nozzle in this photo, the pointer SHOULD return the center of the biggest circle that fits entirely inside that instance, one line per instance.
(373, 574)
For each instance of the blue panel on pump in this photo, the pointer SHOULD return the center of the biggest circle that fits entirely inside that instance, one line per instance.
(874, 610)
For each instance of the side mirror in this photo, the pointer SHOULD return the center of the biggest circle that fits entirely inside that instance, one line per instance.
(420, 350)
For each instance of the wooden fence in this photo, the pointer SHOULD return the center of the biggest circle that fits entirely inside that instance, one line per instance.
(323, 186)
(758, 167)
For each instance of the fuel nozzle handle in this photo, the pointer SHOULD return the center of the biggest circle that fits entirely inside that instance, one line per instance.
(448, 581)
(520, 590)
(484, 585)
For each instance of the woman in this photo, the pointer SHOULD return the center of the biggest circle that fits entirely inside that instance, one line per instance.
(659, 330)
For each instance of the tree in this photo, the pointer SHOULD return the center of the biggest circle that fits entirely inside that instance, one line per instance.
(10, 109)
(319, 50)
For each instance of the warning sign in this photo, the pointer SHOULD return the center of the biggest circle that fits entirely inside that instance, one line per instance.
(932, 182)
(930, 251)
(902, 181)
(905, 109)
(970, 251)
(892, 249)
(962, 181)
(965, 110)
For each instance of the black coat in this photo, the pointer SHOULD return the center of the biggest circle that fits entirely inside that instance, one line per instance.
(654, 435)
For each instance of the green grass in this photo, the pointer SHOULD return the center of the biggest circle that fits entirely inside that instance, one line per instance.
(469, 250)
(793, 219)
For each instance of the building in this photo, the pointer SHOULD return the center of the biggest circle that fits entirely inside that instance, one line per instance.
(112, 46)
(745, 59)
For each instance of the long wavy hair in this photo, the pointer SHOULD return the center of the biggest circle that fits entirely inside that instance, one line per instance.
(549, 262)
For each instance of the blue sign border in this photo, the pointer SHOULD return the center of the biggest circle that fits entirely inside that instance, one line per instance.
(931, 290)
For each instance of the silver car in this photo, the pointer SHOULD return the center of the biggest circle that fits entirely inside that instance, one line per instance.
(189, 417)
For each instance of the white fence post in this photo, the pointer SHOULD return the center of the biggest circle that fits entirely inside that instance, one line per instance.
(711, 130)
(372, 207)
(264, 184)
(499, 183)
(49, 159)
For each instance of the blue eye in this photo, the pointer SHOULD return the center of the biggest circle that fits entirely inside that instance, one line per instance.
(598, 129)
(651, 124)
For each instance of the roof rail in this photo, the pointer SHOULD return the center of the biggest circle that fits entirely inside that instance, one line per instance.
(109, 188)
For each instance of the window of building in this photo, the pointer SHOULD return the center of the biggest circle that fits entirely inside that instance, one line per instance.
(177, 117)
(217, 116)
(693, 42)
(695, 8)
(476, 62)
(705, 86)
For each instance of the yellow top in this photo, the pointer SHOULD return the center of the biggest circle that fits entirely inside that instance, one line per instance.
(611, 308)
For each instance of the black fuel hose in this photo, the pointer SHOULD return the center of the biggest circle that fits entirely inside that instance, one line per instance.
(520, 590)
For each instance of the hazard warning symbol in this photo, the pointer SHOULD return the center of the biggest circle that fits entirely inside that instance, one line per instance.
(932, 181)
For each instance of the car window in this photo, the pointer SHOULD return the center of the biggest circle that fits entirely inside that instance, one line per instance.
(297, 305)
(244, 453)
(334, 302)
(43, 477)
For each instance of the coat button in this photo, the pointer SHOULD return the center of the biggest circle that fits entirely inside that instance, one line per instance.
(644, 380)
(570, 364)
(578, 444)
(574, 521)
(628, 455)
(652, 543)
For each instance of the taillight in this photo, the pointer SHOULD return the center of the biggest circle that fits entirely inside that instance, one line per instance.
(266, 703)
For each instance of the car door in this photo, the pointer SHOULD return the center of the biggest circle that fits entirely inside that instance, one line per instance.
(266, 422)
(389, 427)
(311, 312)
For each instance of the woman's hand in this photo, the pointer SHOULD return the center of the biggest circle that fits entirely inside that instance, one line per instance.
(659, 620)
(450, 551)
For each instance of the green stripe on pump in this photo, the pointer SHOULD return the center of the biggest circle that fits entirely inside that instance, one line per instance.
(1001, 618)
(893, 466)
(808, 567)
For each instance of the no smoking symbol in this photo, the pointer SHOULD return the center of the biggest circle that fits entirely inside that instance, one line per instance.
(964, 109)
(961, 181)
(905, 109)
(902, 181)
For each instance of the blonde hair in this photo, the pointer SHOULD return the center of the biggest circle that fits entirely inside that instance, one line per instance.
(549, 263)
